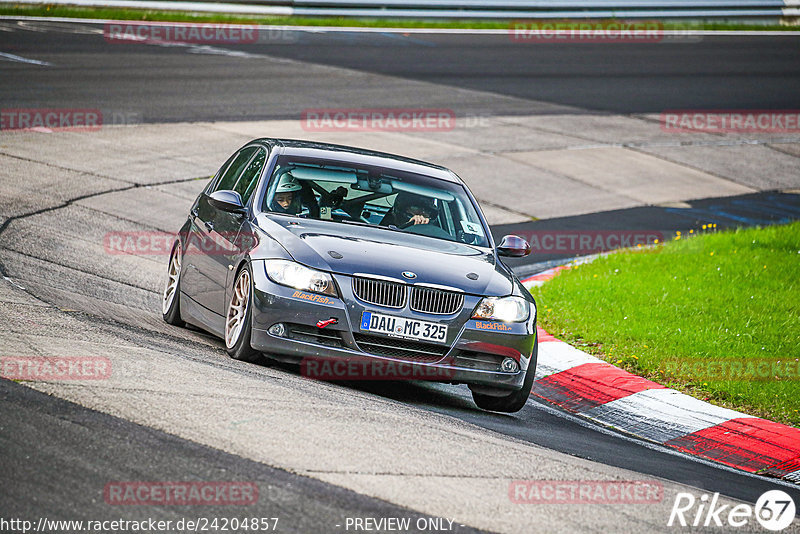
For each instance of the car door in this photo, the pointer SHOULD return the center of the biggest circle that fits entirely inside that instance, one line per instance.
(191, 283)
(230, 231)
(206, 241)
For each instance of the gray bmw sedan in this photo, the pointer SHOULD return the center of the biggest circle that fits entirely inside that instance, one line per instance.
(358, 265)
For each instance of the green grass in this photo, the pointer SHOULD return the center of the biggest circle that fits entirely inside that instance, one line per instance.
(183, 16)
(731, 297)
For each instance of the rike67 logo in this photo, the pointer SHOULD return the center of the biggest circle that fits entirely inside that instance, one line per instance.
(774, 511)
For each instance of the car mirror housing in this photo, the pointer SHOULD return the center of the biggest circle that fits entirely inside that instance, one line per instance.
(227, 200)
(513, 246)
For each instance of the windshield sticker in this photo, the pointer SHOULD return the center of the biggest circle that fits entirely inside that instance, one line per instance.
(471, 228)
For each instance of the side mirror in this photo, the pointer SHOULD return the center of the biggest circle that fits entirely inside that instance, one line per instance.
(227, 200)
(513, 246)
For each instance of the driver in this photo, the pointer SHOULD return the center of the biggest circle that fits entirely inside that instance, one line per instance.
(410, 209)
(287, 196)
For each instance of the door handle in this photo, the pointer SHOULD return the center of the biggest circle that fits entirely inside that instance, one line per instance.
(209, 225)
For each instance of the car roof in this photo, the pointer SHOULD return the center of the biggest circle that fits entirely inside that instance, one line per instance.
(349, 154)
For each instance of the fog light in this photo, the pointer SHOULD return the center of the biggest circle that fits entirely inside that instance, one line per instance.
(509, 365)
(278, 329)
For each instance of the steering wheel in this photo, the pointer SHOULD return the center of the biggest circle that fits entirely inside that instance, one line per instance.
(429, 230)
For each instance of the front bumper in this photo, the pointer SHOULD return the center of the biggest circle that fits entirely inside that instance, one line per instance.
(471, 354)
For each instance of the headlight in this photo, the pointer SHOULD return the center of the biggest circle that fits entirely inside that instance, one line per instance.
(289, 273)
(506, 309)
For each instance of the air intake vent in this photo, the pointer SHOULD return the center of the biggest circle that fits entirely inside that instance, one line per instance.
(429, 300)
(380, 292)
(311, 334)
(400, 348)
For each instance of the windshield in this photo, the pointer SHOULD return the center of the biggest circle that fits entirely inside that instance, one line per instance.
(373, 196)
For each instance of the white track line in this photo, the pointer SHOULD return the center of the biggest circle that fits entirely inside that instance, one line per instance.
(20, 59)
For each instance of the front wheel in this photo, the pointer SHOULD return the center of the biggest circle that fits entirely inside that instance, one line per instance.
(514, 401)
(171, 299)
(238, 327)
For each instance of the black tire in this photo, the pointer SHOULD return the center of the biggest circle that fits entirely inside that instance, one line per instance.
(172, 312)
(516, 400)
(242, 350)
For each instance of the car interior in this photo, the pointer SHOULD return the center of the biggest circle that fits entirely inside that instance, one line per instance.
(370, 196)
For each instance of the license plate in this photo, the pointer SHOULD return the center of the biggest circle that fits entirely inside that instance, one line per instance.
(403, 327)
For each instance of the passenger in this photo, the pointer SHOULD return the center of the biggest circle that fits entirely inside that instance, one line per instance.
(287, 197)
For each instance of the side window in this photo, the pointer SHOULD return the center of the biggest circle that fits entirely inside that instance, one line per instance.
(210, 186)
(249, 177)
(229, 178)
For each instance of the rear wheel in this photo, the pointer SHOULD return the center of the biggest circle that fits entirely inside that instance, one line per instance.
(514, 401)
(171, 299)
(238, 327)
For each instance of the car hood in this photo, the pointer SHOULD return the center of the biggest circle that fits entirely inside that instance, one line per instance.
(350, 249)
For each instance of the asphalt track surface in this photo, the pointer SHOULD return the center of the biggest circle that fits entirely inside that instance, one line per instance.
(51, 480)
(158, 86)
